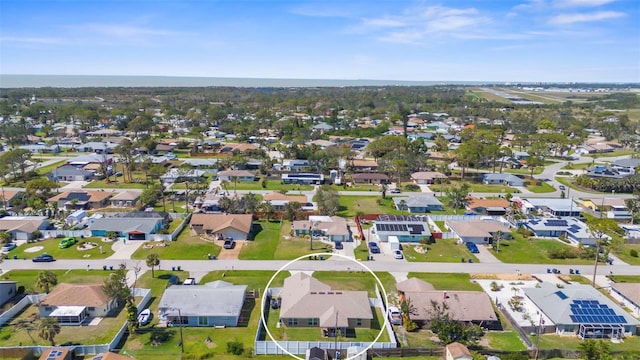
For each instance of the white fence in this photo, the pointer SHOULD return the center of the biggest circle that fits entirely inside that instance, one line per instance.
(66, 233)
(80, 350)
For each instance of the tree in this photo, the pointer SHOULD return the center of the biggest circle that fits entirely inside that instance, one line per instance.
(48, 329)
(457, 196)
(268, 210)
(595, 350)
(291, 210)
(449, 330)
(115, 285)
(152, 261)
(328, 200)
(5, 237)
(45, 280)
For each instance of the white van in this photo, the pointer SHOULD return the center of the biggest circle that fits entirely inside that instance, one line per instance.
(395, 316)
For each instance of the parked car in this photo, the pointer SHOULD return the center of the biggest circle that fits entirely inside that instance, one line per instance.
(396, 191)
(398, 254)
(43, 258)
(229, 244)
(275, 303)
(395, 317)
(373, 247)
(562, 187)
(189, 281)
(8, 247)
(144, 317)
(339, 245)
(66, 242)
(173, 280)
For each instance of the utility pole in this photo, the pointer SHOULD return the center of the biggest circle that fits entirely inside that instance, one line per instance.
(599, 234)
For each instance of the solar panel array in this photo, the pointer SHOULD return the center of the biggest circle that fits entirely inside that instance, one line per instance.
(556, 222)
(415, 229)
(78, 196)
(54, 355)
(402, 218)
(591, 311)
(574, 228)
(391, 227)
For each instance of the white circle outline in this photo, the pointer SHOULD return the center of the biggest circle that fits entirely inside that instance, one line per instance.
(264, 299)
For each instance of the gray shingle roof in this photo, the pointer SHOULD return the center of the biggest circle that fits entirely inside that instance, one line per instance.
(218, 298)
(145, 225)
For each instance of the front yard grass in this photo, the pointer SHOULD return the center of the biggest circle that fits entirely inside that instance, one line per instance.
(473, 187)
(350, 206)
(27, 278)
(624, 253)
(533, 251)
(448, 281)
(50, 246)
(185, 247)
(443, 250)
(544, 187)
(274, 242)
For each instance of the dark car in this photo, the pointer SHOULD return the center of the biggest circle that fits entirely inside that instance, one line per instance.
(373, 247)
(396, 191)
(275, 303)
(229, 244)
(43, 258)
(339, 246)
(562, 187)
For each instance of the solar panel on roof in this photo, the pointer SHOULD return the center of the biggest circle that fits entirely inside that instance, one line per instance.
(573, 318)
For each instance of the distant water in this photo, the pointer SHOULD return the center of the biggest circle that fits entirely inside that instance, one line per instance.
(73, 81)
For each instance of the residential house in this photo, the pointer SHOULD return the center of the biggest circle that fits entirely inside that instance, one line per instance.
(551, 207)
(294, 165)
(164, 149)
(418, 203)
(74, 200)
(7, 291)
(359, 165)
(105, 133)
(42, 148)
(427, 177)
(56, 353)
(129, 228)
(520, 155)
(8, 196)
(125, 199)
(582, 310)
(628, 295)
(322, 144)
(614, 208)
(72, 304)
(628, 165)
(97, 147)
(487, 206)
(464, 306)
(249, 164)
(477, 231)
(370, 178)
(202, 164)
(302, 178)
(218, 303)
(76, 217)
(235, 226)
(239, 175)
(209, 202)
(322, 127)
(594, 149)
(502, 178)
(24, 227)
(279, 201)
(237, 148)
(84, 160)
(334, 228)
(70, 173)
(605, 171)
(406, 228)
(571, 228)
(180, 175)
(307, 302)
(457, 351)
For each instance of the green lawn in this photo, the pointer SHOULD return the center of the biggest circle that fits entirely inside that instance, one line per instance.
(274, 242)
(549, 341)
(625, 278)
(185, 247)
(624, 253)
(533, 251)
(50, 246)
(474, 187)
(118, 184)
(352, 205)
(505, 340)
(44, 170)
(443, 250)
(361, 251)
(274, 185)
(140, 345)
(26, 278)
(447, 281)
(542, 188)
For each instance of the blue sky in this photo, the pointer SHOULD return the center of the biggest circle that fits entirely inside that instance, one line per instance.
(472, 40)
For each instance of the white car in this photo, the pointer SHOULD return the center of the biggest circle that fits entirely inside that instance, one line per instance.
(144, 317)
(398, 254)
(189, 281)
(8, 247)
(395, 316)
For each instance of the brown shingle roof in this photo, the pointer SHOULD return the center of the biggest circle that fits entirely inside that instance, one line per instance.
(428, 175)
(458, 350)
(364, 163)
(219, 222)
(462, 305)
(7, 195)
(414, 284)
(76, 295)
(473, 203)
(94, 196)
(127, 195)
(302, 199)
(366, 176)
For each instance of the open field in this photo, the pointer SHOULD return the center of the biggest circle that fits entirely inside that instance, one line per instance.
(356, 279)
(27, 278)
(533, 251)
(624, 253)
(185, 247)
(274, 185)
(445, 281)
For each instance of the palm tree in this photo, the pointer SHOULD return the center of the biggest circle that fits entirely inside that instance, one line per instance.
(45, 280)
(152, 261)
(496, 237)
(402, 205)
(268, 210)
(225, 184)
(48, 329)
(235, 184)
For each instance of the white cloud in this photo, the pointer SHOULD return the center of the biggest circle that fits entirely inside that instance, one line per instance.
(384, 22)
(566, 19)
(581, 3)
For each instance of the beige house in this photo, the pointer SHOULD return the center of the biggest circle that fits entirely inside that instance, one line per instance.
(222, 226)
(477, 231)
(307, 302)
(335, 228)
(279, 200)
(464, 306)
(72, 304)
(427, 177)
(125, 199)
(370, 178)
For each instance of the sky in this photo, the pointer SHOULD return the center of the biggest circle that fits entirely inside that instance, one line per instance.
(422, 40)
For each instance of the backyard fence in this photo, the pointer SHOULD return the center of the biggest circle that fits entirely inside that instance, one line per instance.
(65, 233)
